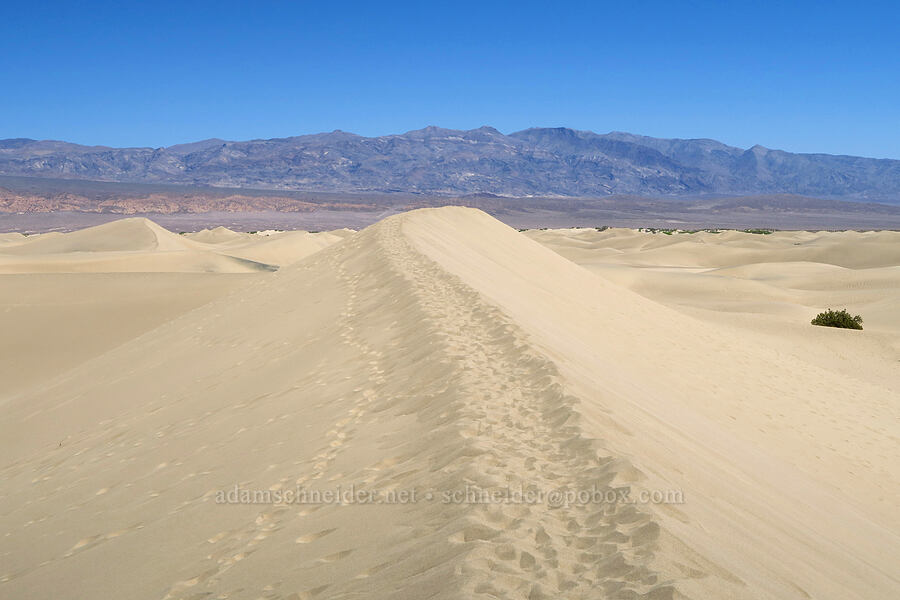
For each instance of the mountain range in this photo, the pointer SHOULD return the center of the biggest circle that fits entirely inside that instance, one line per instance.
(436, 161)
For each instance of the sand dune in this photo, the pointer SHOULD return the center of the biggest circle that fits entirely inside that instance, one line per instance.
(755, 290)
(218, 235)
(52, 322)
(851, 249)
(283, 248)
(124, 235)
(440, 352)
(7, 239)
(139, 245)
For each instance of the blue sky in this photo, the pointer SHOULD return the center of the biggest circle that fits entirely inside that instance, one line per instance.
(801, 76)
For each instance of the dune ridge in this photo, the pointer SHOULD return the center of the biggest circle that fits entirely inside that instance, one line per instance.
(432, 351)
(434, 400)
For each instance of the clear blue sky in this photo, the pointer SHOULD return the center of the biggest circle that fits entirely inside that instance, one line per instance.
(800, 76)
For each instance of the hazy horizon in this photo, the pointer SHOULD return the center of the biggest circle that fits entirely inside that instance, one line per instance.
(400, 133)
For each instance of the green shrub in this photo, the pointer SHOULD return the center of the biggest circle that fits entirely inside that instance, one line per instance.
(838, 318)
(758, 231)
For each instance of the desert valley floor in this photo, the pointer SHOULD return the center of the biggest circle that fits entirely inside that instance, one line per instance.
(145, 373)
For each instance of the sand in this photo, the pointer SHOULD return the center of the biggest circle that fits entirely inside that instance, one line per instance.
(436, 350)
(139, 245)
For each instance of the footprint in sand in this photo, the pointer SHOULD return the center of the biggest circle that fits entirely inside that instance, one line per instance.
(308, 510)
(311, 537)
(336, 556)
(85, 543)
(373, 570)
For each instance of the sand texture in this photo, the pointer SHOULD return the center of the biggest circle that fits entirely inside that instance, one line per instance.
(145, 373)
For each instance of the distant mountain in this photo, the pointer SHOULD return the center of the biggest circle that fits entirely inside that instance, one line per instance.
(435, 161)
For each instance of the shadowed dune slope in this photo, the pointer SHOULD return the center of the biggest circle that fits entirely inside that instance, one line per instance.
(437, 350)
(52, 322)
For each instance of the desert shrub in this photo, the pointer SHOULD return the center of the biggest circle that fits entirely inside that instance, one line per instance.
(759, 231)
(838, 318)
(602, 228)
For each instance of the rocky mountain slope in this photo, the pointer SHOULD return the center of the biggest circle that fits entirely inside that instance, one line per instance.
(539, 161)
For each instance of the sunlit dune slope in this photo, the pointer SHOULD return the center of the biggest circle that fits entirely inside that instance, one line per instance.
(703, 249)
(774, 445)
(761, 289)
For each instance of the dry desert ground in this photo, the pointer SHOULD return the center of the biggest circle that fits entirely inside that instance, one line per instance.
(442, 407)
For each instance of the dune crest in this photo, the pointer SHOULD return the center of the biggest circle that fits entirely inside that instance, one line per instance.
(426, 388)
(439, 353)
